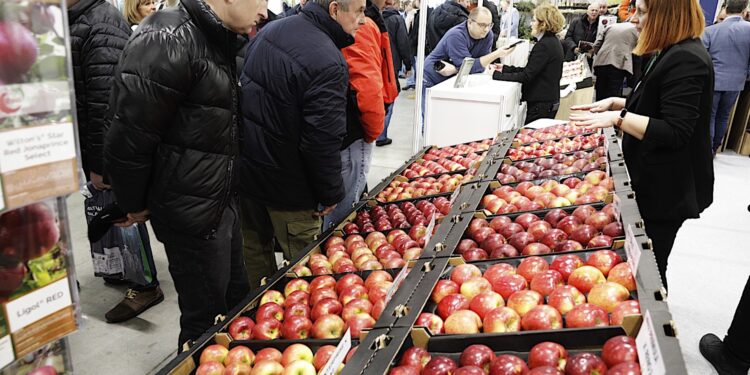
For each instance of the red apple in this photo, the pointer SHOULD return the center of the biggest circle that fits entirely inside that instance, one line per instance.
(474, 286)
(585, 277)
(510, 229)
(539, 229)
(270, 310)
(509, 284)
(554, 216)
(619, 349)
(451, 304)
(322, 355)
(622, 275)
(267, 329)
(415, 357)
(506, 364)
(477, 355)
(492, 242)
(296, 352)
(214, 353)
(501, 319)
(296, 328)
(548, 354)
(347, 281)
(623, 309)
(296, 284)
(298, 296)
(545, 370)
(485, 302)
(469, 370)
(359, 323)
(583, 212)
(625, 368)
(356, 307)
(463, 322)
(613, 230)
(481, 234)
(477, 254)
(532, 266)
(495, 271)
(404, 370)
(604, 260)
(598, 220)
(536, 249)
(272, 296)
(267, 367)
(526, 219)
(565, 297)
(464, 272)
(237, 369)
(353, 292)
(608, 295)
(240, 354)
(520, 240)
(465, 245)
(541, 317)
(431, 321)
(440, 365)
(585, 363)
(209, 368)
(504, 251)
(553, 238)
(583, 234)
(328, 327)
(499, 222)
(546, 281)
(600, 241)
(326, 306)
(524, 300)
(586, 315)
(322, 282)
(568, 224)
(444, 288)
(298, 309)
(566, 264)
(241, 328)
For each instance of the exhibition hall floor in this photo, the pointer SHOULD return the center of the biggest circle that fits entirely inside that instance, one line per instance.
(708, 269)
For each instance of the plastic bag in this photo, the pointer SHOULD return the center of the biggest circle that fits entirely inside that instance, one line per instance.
(121, 252)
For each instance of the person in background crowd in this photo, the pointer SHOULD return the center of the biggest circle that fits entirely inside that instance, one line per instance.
(293, 11)
(98, 34)
(583, 29)
(414, 42)
(472, 38)
(372, 88)
(603, 7)
(731, 356)
(166, 164)
(626, 10)
(540, 78)
(665, 121)
(291, 149)
(401, 52)
(613, 59)
(728, 43)
(136, 10)
(509, 20)
(443, 18)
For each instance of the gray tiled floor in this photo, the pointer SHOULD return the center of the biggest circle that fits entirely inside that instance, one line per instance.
(708, 269)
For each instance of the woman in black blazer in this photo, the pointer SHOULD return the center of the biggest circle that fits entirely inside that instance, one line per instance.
(665, 121)
(540, 78)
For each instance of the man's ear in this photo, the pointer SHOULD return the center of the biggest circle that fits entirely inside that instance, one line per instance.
(333, 9)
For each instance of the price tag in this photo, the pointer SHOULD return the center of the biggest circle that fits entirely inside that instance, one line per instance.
(338, 356)
(6, 351)
(649, 353)
(397, 282)
(455, 195)
(430, 229)
(632, 249)
(617, 204)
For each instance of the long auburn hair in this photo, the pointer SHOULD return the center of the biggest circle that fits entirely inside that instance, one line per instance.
(669, 22)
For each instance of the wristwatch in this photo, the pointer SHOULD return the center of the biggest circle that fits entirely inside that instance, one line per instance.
(623, 113)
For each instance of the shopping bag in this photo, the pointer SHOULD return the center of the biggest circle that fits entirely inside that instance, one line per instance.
(121, 252)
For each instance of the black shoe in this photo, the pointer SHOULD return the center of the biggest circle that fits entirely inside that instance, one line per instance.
(114, 281)
(409, 87)
(383, 142)
(134, 303)
(720, 357)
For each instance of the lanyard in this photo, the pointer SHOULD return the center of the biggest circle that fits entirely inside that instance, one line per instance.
(651, 64)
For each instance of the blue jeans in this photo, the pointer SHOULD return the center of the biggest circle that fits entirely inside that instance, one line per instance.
(355, 164)
(722, 105)
(388, 113)
(412, 79)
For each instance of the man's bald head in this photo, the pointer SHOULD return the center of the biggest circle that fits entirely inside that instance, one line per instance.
(481, 15)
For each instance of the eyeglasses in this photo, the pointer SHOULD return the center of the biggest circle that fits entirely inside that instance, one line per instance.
(483, 25)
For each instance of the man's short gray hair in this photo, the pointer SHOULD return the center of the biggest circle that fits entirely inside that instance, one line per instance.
(326, 3)
(736, 6)
(477, 11)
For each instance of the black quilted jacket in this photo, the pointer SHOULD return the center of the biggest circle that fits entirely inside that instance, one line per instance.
(98, 33)
(173, 141)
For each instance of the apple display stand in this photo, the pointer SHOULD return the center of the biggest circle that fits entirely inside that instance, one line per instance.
(479, 111)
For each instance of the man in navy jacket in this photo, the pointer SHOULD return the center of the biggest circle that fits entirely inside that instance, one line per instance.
(728, 43)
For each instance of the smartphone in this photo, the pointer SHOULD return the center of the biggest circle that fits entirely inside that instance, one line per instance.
(439, 65)
(514, 44)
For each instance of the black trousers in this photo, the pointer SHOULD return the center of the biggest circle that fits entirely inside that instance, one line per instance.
(209, 274)
(739, 331)
(662, 235)
(609, 81)
(537, 110)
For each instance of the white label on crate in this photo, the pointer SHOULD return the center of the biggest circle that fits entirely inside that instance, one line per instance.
(649, 353)
(24, 148)
(455, 195)
(31, 98)
(36, 305)
(338, 356)
(617, 204)
(430, 229)
(109, 263)
(6, 351)
(397, 282)
(632, 249)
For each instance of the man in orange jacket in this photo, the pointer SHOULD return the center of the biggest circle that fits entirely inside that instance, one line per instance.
(372, 86)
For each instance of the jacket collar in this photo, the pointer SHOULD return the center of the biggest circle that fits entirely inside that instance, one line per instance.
(458, 7)
(81, 7)
(320, 18)
(210, 24)
(373, 12)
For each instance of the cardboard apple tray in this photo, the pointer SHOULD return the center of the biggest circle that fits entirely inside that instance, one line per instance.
(517, 143)
(387, 180)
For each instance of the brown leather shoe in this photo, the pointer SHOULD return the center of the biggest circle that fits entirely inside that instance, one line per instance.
(134, 303)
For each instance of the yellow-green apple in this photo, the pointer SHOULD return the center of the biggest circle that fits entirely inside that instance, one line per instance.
(267, 367)
(501, 319)
(485, 302)
(472, 287)
(296, 352)
(430, 321)
(623, 309)
(548, 354)
(241, 328)
(451, 304)
(585, 277)
(240, 354)
(541, 317)
(586, 315)
(272, 296)
(604, 260)
(328, 327)
(302, 271)
(565, 297)
(463, 322)
(214, 353)
(622, 275)
(608, 295)
(524, 300)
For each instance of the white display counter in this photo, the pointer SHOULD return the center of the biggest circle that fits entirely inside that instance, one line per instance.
(480, 110)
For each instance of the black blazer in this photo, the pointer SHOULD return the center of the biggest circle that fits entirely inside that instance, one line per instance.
(541, 76)
(672, 167)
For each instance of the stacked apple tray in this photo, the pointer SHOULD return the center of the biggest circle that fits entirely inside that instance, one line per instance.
(555, 281)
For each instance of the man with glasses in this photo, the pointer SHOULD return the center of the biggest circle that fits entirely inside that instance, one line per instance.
(472, 38)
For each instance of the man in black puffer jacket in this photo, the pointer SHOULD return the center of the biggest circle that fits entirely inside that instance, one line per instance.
(98, 34)
(172, 148)
(443, 18)
(294, 88)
